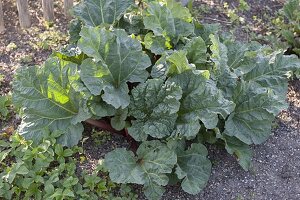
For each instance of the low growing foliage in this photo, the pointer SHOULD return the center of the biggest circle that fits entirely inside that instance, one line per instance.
(286, 29)
(48, 171)
(5, 103)
(152, 72)
(291, 29)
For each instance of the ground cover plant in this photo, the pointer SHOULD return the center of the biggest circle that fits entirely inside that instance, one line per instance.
(149, 71)
(289, 26)
(48, 171)
(287, 29)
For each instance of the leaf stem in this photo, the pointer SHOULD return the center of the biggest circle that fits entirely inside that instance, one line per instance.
(104, 125)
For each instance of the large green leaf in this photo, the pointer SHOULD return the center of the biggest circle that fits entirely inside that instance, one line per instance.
(242, 56)
(201, 100)
(178, 63)
(252, 118)
(100, 109)
(196, 51)
(205, 30)
(118, 121)
(154, 105)
(272, 72)
(153, 162)
(98, 12)
(179, 11)
(156, 44)
(123, 167)
(221, 73)
(241, 150)
(49, 102)
(132, 23)
(194, 168)
(169, 20)
(117, 59)
(171, 63)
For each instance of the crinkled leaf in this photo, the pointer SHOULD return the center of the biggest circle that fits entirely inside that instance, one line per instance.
(70, 53)
(168, 20)
(201, 100)
(160, 20)
(218, 56)
(154, 105)
(178, 63)
(226, 80)
(119, 59)
(118, 121)
(205, 30)
(49, 101)
(132, 23)
(154, 161)
(241, 56)
(77, 84)
(71, 135)
(101, 109)
(194, 168)
(171, 63)
(176, 145)
(196, 51)
(156, 44)
(74, 30)
(179, 11)
(160, 68)
(153, 191)
(122, 167)
(241, 150)
(252, 118)
(92, 74)
(272, 72)
(98, 12)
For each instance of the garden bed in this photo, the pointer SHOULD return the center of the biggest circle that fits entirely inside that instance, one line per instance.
(275, 173)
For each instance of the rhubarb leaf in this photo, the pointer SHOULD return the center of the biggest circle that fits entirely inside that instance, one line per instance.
(272, 72)
(154, 105)
(201, 100)
(168, 20)
(253, 115)
(196, 51)
(241, 150)
(49, 102)
(153, 162)
(98, 12)
(119, 59)
(194, 168)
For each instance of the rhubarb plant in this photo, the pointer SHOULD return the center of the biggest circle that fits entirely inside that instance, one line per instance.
(169, 84)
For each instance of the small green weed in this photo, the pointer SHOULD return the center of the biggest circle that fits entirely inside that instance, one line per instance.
(100, 137)
(5, 104)
(48, 171)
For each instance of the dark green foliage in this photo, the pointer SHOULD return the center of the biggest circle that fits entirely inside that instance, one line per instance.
(168, 81)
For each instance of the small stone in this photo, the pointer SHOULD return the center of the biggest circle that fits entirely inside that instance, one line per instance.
(286, 172)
